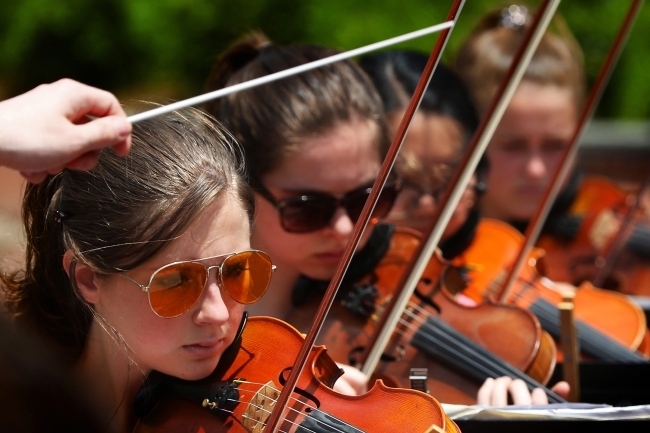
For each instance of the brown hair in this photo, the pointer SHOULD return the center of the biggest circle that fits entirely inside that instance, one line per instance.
(271, 120)
(486, 55)
(118, 215)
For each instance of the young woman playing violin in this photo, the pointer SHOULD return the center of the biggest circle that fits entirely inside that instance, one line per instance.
(525, 151)
(143, 263)
(313, 144)
(538, 123)
(443, 125)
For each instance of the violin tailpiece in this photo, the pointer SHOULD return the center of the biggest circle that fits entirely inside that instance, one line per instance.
(362, 299)
(226, 397)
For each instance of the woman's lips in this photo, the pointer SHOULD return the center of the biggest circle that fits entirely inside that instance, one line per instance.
(531, 190)
(330, 258)
(204, 349)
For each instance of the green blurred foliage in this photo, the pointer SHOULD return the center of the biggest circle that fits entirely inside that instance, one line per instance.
(164, 49)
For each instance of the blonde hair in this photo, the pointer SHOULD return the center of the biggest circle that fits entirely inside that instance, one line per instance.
(486, 55)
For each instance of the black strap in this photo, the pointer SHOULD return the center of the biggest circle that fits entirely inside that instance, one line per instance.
(159, 385)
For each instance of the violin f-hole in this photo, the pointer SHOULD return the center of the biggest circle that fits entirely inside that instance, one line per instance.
(282, 378)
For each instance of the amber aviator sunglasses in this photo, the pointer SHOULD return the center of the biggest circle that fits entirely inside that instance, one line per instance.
(175, 287)
(314, 210)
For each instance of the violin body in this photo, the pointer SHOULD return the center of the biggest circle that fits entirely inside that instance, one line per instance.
(452, 339)
(262, 364)
(598, 204)
(606, 312)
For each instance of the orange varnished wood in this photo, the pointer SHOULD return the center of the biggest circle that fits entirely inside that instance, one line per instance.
(575, 260)
(495, 247)
(269, 347)
(509, 332)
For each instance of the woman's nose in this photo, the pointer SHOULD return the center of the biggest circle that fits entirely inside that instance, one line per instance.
(341, 224)
(426, 203)
(212, 309)
(536, 166)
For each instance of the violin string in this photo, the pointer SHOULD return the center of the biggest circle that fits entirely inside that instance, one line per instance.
(609, 346)
(200, 99)
(453, 343)
(489, 364)
(294, 399)
(421, 318)
(274, 389)
(588, 334)
(455, 349)
(490, 368)
(249, 403)
(232, 413)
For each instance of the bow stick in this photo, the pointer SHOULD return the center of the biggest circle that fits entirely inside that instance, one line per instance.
(328, 298)
(196, 100)
(535, 226)
(457, 186)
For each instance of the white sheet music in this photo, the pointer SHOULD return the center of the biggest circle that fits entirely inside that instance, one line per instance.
(562, 411)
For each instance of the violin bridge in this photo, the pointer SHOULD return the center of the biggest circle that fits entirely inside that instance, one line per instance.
(260, 407)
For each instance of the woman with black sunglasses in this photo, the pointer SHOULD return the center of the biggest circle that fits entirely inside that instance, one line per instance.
(314, 144)
(143, 263)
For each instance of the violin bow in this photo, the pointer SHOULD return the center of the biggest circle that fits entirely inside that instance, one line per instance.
(457, 185)
(535, 226)
(275, 418)
(200, 99)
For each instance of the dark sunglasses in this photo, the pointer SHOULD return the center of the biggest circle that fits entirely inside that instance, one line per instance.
(175, 287)
(314, 211)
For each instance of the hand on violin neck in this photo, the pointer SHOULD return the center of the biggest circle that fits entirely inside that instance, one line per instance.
(352, 382)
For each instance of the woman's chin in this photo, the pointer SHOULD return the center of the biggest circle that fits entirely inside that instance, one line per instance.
(196, 371)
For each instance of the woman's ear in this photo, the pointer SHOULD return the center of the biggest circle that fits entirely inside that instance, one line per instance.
(82, 277)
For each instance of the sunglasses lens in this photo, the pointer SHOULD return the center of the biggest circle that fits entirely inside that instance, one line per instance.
(307, 214)
(355, 202)
(386, 200)
(175, 288)
(310, 213)
(246, 275)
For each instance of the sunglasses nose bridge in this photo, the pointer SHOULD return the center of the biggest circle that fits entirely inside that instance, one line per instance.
(207, 273)
(217, 277)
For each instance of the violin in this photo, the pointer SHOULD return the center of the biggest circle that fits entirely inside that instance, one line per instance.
(610, 326)
(596, 210)
(460, 346)
(241, 393)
